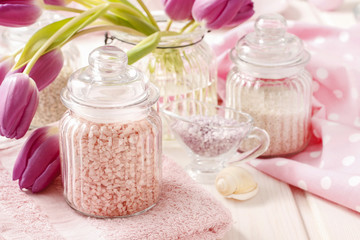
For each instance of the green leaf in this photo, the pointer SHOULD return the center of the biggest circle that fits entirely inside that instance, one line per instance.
(137, 23)
(44, 34)
(117, 20)
(143, 48)
(130, 5)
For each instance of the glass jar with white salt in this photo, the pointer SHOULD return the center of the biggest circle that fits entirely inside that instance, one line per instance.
(269, 81)
(110, 138)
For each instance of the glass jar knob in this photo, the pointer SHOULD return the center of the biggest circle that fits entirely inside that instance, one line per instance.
(108, 59)
(270, 27)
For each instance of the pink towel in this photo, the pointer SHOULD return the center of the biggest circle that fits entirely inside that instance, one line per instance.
(330, 166)
(185, 211)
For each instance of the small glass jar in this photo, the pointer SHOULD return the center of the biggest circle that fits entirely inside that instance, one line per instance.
(110, 138)
(269, 81)
(182, 66)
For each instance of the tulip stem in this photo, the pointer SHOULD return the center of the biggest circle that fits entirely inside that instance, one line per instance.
(150, 16)
(168, 25)
(61, 8)
(127, 8)
(17, 52)
(192, 26)
(63, 29)
(186, 26)
(87, 3)
(104, 28)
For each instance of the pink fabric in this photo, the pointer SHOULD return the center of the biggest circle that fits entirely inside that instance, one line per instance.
(184, 211)
(330, 166)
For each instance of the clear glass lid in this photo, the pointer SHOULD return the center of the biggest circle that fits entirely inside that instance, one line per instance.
(270, 45)
(109, 82)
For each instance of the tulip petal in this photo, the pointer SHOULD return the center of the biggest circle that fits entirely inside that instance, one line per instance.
(17, 2)
(13, 90)
(179, 9)
(226, 16)
(38, 162)
(55, 2)
(18, 103)
(18, 13)
(222, 13)
(50, 173)
(245, 13)
(208, 10)
(28, 115)
(47, 68)
(35, 139)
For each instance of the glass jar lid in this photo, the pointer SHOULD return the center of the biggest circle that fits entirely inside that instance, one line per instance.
(108, 83)
(270, 45)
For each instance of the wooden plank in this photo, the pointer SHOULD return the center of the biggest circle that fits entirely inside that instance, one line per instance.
(314, 227)
(271, 214)
(338, 222)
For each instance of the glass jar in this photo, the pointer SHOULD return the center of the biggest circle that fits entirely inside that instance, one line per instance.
(110, 138)
(182, 66)
(50, 108)
(269, 81)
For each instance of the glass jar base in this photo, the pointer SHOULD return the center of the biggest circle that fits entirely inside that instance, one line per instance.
(286, 154)
(104, 217)
(202, 176)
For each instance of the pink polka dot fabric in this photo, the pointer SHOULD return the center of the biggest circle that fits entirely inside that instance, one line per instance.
(330, 166)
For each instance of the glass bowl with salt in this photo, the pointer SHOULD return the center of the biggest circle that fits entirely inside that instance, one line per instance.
(212, 136)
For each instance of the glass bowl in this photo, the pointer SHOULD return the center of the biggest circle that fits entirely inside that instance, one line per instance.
(212, 135)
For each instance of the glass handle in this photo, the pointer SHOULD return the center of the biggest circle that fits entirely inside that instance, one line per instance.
(264, 141)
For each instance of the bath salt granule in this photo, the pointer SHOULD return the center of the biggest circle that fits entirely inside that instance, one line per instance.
(209, 136)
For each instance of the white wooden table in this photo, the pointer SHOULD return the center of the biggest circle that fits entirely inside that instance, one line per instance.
(280, 211)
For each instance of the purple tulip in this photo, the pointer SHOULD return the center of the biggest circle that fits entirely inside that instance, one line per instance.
(18, 102)
(222, 13)
(5, 65)
(46, 68)
(38, 162)
(178, 9)
(55, 2)
(18, 13)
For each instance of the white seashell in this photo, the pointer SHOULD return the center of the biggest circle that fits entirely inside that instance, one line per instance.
(236, 182)
(244, 196)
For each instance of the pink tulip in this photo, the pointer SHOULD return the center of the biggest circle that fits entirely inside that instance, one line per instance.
(222, 13)
(46, 69)
(55, 2)
(5, 65)
(18, 102)
(38, 162)
(18, 13)
(178, 9)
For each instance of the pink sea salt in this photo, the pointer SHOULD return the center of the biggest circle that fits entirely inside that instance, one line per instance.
(111, 169)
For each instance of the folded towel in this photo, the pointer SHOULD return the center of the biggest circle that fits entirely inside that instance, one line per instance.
(185, 211)
(330, 166)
